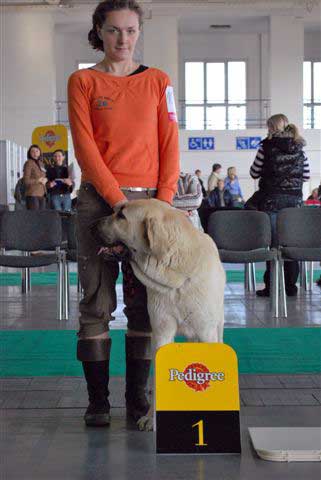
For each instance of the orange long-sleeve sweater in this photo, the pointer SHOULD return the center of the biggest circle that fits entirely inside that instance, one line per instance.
(125, 132)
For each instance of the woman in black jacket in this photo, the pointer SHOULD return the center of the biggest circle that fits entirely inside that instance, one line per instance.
(282, 167)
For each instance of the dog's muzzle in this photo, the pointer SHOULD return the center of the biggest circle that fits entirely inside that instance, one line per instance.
(100, 237)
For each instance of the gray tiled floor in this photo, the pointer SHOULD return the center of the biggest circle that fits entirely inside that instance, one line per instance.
(54, 444)
(38, 309)
(43, 435)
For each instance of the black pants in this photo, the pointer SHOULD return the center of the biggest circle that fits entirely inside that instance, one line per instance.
(272, 204)
(291, 273)
(35, 203)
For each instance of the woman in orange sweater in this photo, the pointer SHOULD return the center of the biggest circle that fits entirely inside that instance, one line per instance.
(125, 134)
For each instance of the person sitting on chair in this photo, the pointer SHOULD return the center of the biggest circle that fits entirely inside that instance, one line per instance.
(220, 197)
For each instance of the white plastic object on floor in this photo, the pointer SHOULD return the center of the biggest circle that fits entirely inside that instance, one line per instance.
(287, 444)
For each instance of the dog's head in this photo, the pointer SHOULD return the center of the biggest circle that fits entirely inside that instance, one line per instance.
(144, 226)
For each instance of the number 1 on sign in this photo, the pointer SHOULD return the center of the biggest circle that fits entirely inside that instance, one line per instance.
(200, 426)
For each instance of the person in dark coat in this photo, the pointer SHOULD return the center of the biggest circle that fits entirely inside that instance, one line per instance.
(282, 167)
(60, 185)
(220, 197)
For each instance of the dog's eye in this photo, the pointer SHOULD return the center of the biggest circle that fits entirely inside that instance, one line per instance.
(120, 214)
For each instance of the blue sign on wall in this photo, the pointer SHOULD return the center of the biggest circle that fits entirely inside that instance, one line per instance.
(242, 143)
(255, 142)
(248, 143)
(201, 143)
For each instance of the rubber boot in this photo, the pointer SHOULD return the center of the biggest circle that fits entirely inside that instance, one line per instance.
(138, 361)
(94, 355)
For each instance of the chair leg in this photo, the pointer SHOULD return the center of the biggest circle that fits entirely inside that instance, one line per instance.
(60, 281)
(247, 277)
(66, 289)
(253, 277)
(274, 288)
(25, 277)
(303, 275)
(310, 276)
(306, 286)
(284, 312)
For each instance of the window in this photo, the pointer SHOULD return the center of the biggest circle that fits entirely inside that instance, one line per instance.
(85, 65)
(215, 95)
(312, 94)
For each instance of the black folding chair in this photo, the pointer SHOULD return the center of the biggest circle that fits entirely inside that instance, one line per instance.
(244, 236)
(29, 231)
(299, 238)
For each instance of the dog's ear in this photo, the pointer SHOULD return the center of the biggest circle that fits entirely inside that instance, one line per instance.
(161, 234)
(154, 235)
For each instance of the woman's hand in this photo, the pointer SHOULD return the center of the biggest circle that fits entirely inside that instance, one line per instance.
(43, 180)
(52, 184)
(118, 205)
(68, 182)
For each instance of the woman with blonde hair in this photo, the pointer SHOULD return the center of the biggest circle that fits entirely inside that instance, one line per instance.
(282, 167)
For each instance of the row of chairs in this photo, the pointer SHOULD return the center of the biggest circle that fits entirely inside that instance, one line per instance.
(245, 237)
(33, 239)
(241, 236)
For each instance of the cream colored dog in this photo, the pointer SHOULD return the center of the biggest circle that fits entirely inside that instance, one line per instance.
(180, 268)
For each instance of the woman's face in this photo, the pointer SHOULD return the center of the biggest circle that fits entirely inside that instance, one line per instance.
(120, 33)
(35, 153)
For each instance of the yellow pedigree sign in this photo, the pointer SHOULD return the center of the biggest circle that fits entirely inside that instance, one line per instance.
(51, 138)
(196, 377)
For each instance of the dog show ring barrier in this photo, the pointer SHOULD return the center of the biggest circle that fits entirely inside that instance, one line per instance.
(197, 399)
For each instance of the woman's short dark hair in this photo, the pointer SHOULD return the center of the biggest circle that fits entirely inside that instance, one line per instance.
(29, 152)
(216, 166)
(99, 17)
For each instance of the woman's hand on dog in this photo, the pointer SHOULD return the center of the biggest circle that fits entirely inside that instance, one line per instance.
(120, 204)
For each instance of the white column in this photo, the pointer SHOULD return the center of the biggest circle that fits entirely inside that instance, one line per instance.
(28, 74)
(161, 46)
(286, 67)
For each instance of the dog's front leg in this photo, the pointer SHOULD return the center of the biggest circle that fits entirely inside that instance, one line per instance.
(147, 423)
(160, 337)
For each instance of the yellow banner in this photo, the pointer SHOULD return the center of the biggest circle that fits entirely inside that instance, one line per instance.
(196, 377)
(51, 138)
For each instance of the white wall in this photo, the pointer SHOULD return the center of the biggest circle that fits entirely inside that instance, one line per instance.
(28, 83)
(226, 154)
(312, 46)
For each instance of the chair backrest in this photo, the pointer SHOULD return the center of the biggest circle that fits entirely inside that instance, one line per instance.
(30, 230)
(240, 230)
(299, 227)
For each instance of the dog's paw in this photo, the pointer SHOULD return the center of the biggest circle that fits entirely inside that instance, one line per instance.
(146, 424)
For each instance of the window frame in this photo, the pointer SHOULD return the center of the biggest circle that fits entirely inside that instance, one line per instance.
(311, 104)
(226, 103)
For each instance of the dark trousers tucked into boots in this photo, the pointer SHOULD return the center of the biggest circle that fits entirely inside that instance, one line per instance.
(291, 273)
(94, 355)
(138, 361)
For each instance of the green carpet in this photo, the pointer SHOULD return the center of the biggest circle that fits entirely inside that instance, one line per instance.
(49, 278)
(259, 350)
